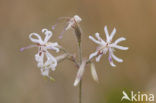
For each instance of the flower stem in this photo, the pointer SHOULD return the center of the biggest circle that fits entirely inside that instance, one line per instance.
(80, 60)
(80, 92)
(80, 85)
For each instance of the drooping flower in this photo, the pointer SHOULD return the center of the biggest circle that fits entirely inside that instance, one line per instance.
(43, 46)
(71, 22)
(107, 46)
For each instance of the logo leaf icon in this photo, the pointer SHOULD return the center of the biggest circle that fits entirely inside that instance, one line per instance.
(125, 96)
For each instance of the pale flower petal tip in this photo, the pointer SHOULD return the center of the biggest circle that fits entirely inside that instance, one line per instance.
(77, 18)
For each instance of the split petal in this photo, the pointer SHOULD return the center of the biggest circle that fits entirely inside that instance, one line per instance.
(94, 40)
(48, 35)
(106, 32)
(93, 72)
(120, 47)
(38, 40)
(93, 55)
(119, 40)
(80, 73)
(112, 34)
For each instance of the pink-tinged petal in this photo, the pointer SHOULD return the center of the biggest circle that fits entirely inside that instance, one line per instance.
(94, 40)
(30, 46)
(112, 34)
(59, 21)
(111, 62)
(48, 35)
(80, 73)
(61, 35)
(98, 58)
(107, 34)
(38, 38)
(119, 40)
(120, 47)
(110, 59)
(93, 55)
(93, 72)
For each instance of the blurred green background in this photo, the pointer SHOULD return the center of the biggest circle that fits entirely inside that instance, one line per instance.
(20, 79)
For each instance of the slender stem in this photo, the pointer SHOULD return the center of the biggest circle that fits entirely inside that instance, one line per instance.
(80, 85)
(80, 92)
(78, 34)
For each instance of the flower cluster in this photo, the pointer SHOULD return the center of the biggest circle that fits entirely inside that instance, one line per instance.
(46, 61)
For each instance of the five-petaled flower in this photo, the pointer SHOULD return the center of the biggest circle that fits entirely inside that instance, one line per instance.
(107, 46)
(43, 46)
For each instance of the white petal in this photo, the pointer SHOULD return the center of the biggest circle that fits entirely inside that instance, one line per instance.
(120, 47)
(39, 59)
(110, 59)
(51, 61)
(45, 72)
(93, 55)
(53, 46)
(112, 34)
(93, 72)
(94, 40)
(80, 73)
(38, 40)
(115, 57)
(119, 40)
(77, 18)
(107, 34)
(69, 25)
(98, 58)
(48, 35)
(97, 35)
(112, 64)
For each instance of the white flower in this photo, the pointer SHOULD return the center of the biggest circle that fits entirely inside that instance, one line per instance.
(43, 46)
(71, 22)
(107, 46)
